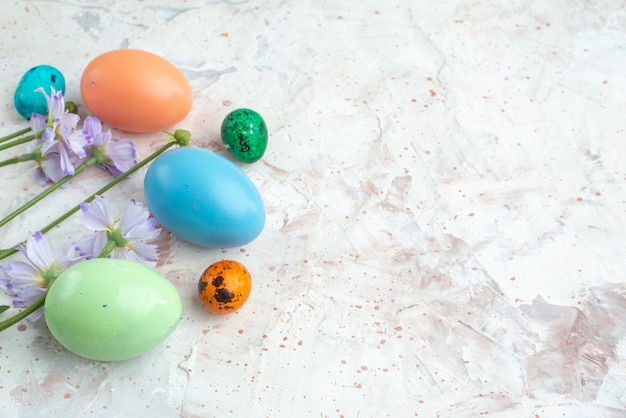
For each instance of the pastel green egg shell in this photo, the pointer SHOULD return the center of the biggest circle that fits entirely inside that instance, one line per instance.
(244, 134)
(26, 100)
(110, 309)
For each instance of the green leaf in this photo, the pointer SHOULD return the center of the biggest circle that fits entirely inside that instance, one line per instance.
(4, 308)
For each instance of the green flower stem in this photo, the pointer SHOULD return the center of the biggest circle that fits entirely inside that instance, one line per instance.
(177, 139)
(107, 249)
(29, 156)
(104, 189)
(19, 141)
(69, 106)
(10, 161)
(23, 314)
(15, 135)
(88, 163)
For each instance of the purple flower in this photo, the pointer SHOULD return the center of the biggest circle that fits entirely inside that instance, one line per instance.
(59, 120)
(114, 155)
(56, 102)
(26, 282)
(130, 232)
(48, 166)
(48, 161)
(37, 123)
(59, 137)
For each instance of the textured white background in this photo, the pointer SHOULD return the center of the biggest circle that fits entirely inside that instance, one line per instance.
(445, 201)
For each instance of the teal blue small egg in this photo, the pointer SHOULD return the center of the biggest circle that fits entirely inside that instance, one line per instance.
(204, 198)
(26, 100)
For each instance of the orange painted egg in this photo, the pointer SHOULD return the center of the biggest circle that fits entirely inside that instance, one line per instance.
(224, 286)
(135, 91)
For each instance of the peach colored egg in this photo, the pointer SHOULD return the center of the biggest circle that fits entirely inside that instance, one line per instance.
(135, 91)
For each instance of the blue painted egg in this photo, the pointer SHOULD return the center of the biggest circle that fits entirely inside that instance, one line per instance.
(26, 100)
(204, 198)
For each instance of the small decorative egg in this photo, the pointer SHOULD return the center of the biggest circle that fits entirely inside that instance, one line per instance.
(26, 100)
(244, 135)
(110, 309)
(135, 90)
(224, 286)
(204, 198)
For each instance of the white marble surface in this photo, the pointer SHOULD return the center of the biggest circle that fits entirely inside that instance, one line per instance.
(445, 205)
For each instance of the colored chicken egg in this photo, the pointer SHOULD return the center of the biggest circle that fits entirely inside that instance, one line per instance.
(28, 101)
(109, 309)
(244, 134)
(135, 90)
(224, 286)
(204, 198)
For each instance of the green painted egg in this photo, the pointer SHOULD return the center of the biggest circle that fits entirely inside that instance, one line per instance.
(244, 135)
(110, 309)
(26, 100)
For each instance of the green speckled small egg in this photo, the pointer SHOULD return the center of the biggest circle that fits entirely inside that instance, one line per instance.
(244, 135)
(109, 309)
(26, 100)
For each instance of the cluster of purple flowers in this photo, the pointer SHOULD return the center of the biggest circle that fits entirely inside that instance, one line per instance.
(60, 145)
(130, 233)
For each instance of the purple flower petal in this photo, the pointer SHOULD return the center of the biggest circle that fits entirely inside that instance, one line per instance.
(77, 142)
(134, 213)
(5, 280)
(124, 253)
(122, 155)
(37, 251)
(147, 252)
(56, 103)
(102, 139)
(67, 124)
(101, 240)
(23, 275)
(37, 122)
(26, 297)
(38, 176)
(35, 316)
(66, 162)
(91, 128)
(85, 245)
(72, 140)
(92, 245)
(70, 258)
(48, 145)
(52, 167)
(97, 215)
(144, 231)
